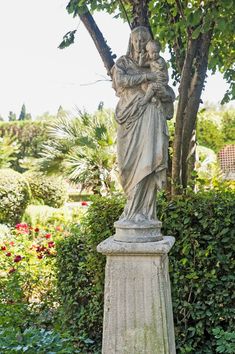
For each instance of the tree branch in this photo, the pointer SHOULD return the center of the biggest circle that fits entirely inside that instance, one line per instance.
(100, 43)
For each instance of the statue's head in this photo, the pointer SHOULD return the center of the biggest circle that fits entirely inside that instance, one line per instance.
(153, 49)
(139, 37)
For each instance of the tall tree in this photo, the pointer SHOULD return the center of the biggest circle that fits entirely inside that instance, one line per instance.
(11, 116)
(199, 35)
(22, 113)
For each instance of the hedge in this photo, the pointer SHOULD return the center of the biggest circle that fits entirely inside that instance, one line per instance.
(14, 196)
(49, 190)
(201, 268)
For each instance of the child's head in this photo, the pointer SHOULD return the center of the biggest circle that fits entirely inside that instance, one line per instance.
(153, 48)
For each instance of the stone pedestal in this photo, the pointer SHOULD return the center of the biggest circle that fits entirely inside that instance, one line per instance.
(138, 315)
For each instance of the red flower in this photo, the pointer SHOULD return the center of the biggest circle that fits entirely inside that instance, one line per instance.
(17, 258)
(40, 248)
(22, 228)
(12, 270)
(3, 248)
(36, 229)
(51, 244)
(48, 236)
(40, 256)
(58, 228)
(11, 243)
(8, 254)
(84, 203)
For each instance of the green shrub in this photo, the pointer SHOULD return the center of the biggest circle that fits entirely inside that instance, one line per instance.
(81, 272)
(225, 341)
(201, 267)
(45, 215)
(34, 340)
(14, 196)
(49, 190)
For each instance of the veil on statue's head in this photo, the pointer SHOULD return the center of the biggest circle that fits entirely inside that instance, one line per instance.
(140, 29)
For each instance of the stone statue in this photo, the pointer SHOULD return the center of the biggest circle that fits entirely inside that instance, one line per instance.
(140, 79)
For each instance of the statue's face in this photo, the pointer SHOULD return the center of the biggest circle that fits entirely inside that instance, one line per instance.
(153, 53)
(139, 41)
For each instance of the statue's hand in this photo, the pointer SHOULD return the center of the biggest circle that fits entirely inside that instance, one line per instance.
(142, 101)
(160, 90)
(151, 76)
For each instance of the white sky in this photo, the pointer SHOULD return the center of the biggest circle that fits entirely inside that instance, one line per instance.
(35, 72)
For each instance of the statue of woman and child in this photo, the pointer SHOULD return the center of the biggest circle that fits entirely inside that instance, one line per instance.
(140, 79)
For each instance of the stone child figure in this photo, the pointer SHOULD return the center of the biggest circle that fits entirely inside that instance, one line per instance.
(142, 136)
(157, 64)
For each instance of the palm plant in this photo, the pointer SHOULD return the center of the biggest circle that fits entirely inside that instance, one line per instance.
(8, 151)
(82, 149)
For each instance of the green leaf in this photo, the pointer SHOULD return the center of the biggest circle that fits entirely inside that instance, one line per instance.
(68, 39)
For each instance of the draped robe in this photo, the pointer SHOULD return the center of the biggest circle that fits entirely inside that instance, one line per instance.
(142, 142)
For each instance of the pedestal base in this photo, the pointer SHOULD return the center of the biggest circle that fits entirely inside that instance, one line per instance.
(138, 315)
(148, 231)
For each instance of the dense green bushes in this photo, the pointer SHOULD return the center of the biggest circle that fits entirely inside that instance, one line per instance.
(51, 191)
(81, 272)
(202, 268)
(14, 196)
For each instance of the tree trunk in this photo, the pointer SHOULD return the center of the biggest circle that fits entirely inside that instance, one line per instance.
(183, 99)
(140, 14)
(100, 43)
(193, 103)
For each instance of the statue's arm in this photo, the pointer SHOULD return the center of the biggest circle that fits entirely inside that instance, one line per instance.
(129, 80)
(124, 79)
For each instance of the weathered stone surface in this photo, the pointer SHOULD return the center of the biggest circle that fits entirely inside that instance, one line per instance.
(138, 311)
(140, 79)
(127, 231)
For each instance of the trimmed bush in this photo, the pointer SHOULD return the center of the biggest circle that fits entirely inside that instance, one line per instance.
(201, 268)
(48, 190)
(14, 196)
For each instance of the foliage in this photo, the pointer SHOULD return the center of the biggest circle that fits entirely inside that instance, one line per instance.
(81, 271)
(8, 151)
(28, 298)
(14, 196)
(12, 117)
(209, 135)
(28, 135)
(225, 341)
(201, 267)
(216, 128)
(51, 191)
(45, 215)
(26, 265)
(34, 340)
(67, 39)
(228, 126)
(82, 149)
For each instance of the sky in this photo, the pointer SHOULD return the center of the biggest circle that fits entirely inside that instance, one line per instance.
(35, 72)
